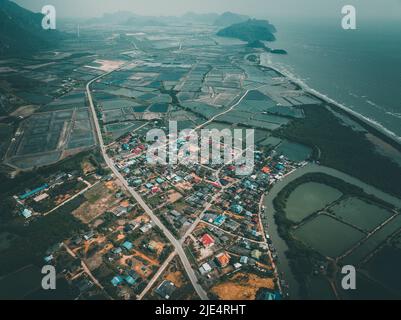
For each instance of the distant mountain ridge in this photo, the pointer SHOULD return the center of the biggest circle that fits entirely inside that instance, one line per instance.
(229, 18)
(118, 17)
(207, 18)
(21, 30)
(129, 18)
(143, 21)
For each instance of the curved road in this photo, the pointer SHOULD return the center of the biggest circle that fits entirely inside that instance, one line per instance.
(177, 245)
(272, 229)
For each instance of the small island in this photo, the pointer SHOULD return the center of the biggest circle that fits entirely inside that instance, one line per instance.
(255, 32)
(278, 51)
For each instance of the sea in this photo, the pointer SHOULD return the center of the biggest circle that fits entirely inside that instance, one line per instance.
(360, 69)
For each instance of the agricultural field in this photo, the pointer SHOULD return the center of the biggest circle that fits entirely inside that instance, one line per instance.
(343, 225)
(357, 212)
(313, 196)
(116, 130)
(21, 283)
(386, 273)
(328, 236)
(373, 242)
(349, 227)
(42, 138)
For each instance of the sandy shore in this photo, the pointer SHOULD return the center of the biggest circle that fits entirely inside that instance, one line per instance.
(264, 62)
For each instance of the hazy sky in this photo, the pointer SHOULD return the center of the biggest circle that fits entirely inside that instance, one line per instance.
(273, 9)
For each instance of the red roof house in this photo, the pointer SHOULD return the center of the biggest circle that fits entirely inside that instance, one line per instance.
(207, 240)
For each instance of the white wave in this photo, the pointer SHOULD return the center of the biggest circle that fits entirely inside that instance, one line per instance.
(375, 105)
(284, 70)
(353, 95)
(394, 114)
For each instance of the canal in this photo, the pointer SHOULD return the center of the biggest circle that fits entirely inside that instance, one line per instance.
(271, 228)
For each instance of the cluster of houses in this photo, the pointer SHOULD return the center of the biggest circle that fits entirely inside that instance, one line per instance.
(217, 258)
(164, 186)
(34, 195)
(219, 253)
(239, 205)
(231, 238)
(127, 244)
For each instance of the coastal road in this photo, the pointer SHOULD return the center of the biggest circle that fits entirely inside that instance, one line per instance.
(177, 245)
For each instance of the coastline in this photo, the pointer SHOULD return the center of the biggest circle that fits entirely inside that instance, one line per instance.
(369, 124)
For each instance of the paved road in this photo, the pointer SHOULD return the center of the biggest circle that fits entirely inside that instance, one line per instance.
(202, 214)
(177, 245)
(90, 186)
(222, 113)
(157, 275)
(208, 206)
(86, 270)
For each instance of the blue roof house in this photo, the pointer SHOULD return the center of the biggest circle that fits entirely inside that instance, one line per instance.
(128, 245)
(116, 281)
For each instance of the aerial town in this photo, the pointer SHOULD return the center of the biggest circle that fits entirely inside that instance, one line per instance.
(216, 215)
(82, 193)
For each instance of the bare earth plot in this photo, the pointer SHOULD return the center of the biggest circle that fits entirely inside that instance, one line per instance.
(242, 286)
(100, 198)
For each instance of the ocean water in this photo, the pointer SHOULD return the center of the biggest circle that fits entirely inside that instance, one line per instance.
(360, 69)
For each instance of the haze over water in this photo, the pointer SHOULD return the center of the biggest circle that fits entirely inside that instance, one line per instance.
(358, 68)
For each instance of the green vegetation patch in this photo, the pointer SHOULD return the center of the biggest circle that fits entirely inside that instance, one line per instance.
(33, 241)
(19, 284)
(250, 30)
(366, 290)
(387, 273)
(342, 148)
